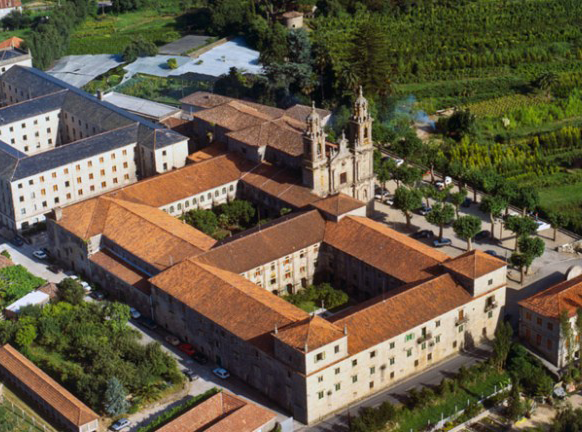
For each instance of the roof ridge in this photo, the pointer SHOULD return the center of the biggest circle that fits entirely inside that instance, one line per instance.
(46, 95)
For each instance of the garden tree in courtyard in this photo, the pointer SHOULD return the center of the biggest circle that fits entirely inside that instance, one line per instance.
(457, 198)
(532, 248)
(205, 221)
(493, 205)
(467, 227)
(521, 226)
(440, 215)
(237, 212)
(502, 344)
(71, 291)
(406, 200)
(115, 398)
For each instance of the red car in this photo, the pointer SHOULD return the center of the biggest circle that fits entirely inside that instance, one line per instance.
(186, 348)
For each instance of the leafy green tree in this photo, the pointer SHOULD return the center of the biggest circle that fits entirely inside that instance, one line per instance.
(139, 47)
(532, 247)
(521, 262)
(493, 205)
(71, 291)
(204, 220)
(459, 124)
(172, 63)
(557, 220)
(116, 315)
(16, 20)
(26, 332)
(275, 49)
(238, 212)
(568, 419)
(516, 408)
(228, 16)
(502, 344)
(115, 398)
(527, 198)
(521, 226)
(458, 198)
(467, 227)
(427, 192)
(299, 46)
(407, 200)
(441, 215)
(407, 175)
(432, 156)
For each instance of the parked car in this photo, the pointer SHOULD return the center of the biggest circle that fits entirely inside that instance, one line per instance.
(134, 313)
(172, 340)
(54, 268)
(40, 254)
(120, 424)
(467, 203)
(389, 201)
(495, 254)
(186, 348)
(148, 323)
(200, 358)
(221, 373)
(190, 375)
(442, 242)
(482, 235)
(422, 234)
(17, 241)
(86, 286)
(448, 181)
(423, 210)
(99, 295)
(381, 196)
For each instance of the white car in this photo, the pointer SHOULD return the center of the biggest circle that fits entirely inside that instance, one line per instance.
(221, 373)
(134, 313)
(40, 254)
(86, 286)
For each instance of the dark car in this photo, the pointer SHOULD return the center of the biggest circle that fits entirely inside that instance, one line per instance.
(54, 268)
(467, 203)
(17, 241)
(200, 358)
(148, 323)
(495, 254)
(97, 295)
(482, 235)
(422, 234)
(442, 242)
(423, 210)
(190, 375)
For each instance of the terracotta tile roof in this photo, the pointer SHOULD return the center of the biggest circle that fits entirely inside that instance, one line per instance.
(121, 269)
(151, 234)
(474, 264)
(281, 183)
(232, 302)
(283, 134)
(300, 112)
(292, 14)
(232, 116)
(283, 237)
(5, 262)
(49, 288)
(5, 4)
(338, 204)
(223, 412)
(564, 296)
(215, 149)
(47, 389)
(13, 42)
(309, 334)
(210, 100)
(184, 182)
(174, 122)
(383, 248)
(385, 317)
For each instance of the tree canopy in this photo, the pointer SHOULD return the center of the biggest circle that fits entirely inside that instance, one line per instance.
(467, 227)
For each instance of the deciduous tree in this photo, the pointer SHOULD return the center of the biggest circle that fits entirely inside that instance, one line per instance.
(440, 215)
(406, 200)
(467, 227)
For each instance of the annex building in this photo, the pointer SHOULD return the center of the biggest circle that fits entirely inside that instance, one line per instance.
(414, 306)
(60, 145)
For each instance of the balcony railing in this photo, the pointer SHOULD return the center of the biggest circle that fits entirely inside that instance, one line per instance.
(425, 337)
(461, 320)
(490, 306)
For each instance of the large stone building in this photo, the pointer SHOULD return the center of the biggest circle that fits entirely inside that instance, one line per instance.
(418, 306)
(293, 139)
(539, 321)
(59, 145)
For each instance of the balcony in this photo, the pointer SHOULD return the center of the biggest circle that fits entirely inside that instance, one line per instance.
(424, 338)
(461, 320)
(490, 306)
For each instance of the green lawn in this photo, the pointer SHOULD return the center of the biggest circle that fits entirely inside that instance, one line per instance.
(109, 34)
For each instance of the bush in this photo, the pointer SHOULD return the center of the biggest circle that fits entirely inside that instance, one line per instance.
(139, 47)
(15, 282)
(6, 254)
(172, 63)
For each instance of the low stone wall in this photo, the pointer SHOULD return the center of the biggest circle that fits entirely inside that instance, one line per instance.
(574, 247)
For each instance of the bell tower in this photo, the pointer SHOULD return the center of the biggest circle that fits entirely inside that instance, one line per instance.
(315, 173)
(361, 122)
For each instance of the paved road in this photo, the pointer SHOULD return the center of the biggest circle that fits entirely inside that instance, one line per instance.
(396, 394)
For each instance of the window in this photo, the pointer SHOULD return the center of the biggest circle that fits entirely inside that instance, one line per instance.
(54, 175)
(392, 361)
(22, 211)
(101, 159)
(79, 180)
(354, 378)
(437, 339)
(320, 395)
(460, 329)
(44, 204)
(68, 196)
(549, 344)
(371, 384)
(423, 346)
(125, 165)
(319, 356)
(80, 191)
(392, 345)
(115, 180)
(415, 363)
(409, 352)
(538, 339)
(43, 192)
(437, 323)
(78, 167)
(124, 152)
(409, 337)
(55, 188)
(343, 178)
(372, 370)
(372, 354)
(338, 386)
(126, 176)
(92, 188)
(337, 371)
(354, 362)
(90, 164)
(528, 316)
(539, 321)
(112, 155)
(102, 172)
(336, 349)
(91, 176)
(391, 375)
(320, 378)
(490, 282)
(41, 178)
(550, 326)
(66, 171)
(56, 200)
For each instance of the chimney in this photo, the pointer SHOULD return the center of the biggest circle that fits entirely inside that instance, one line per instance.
(306, 348)
(276, 330)
(58, 212)
(346, 329)
(100, 94)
